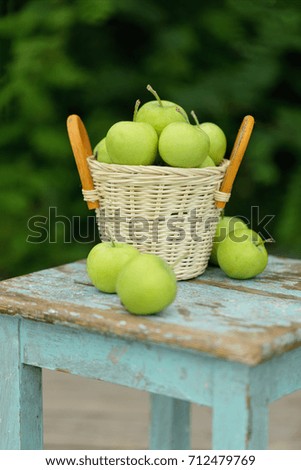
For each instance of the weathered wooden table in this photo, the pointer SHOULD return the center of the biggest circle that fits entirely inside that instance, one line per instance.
(231, 345)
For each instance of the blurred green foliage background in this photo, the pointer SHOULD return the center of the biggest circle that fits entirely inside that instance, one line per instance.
(223, 58)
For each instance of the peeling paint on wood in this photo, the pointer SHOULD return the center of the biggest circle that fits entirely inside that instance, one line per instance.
(220, 344)
(246, 321)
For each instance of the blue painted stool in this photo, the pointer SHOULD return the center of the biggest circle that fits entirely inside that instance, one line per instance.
(231, 345)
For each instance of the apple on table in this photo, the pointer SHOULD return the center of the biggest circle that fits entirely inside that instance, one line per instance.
(146, 284)
(144, 287)
(242, 254)
(104, 262)
(225, 225)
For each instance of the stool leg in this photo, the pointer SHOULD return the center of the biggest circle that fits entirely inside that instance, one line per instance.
(170, 423)
(21, 393)
(240, 409)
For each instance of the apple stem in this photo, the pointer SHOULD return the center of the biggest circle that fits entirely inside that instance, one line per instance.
(137, 104)
(269, 240)
(150, 88)
(195, 118)
(183, 114)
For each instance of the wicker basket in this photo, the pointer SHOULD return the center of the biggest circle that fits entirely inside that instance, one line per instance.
(172, 212)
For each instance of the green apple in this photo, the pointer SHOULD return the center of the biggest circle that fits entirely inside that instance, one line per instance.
(218, 142)
(207, 162)
(159, 113)
(100, 152)
(183, 145)
(242, 254)
(105, 261)
(225, 225)
(132, 143)
(146, 285)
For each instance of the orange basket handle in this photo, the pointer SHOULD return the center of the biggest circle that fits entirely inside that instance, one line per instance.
(238, 151)
(81, 148)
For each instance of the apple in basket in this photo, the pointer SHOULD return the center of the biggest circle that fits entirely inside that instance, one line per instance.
(218, 141)
(207, 162)
(105, 261)
(159, 113)
(242, 254)
(100, 152)
(132, 143)
(184, 145)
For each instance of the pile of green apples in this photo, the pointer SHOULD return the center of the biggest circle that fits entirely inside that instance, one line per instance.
(161, 134)
(144, 282)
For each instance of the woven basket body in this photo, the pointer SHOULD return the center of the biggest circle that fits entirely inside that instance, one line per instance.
(163, 210)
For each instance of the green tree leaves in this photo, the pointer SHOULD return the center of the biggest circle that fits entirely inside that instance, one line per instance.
(224, 59)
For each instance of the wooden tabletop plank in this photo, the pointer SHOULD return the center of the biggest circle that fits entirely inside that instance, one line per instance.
(246, 321)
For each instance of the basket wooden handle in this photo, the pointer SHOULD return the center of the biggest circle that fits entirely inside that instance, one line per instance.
(238, 151)
(81, 148)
